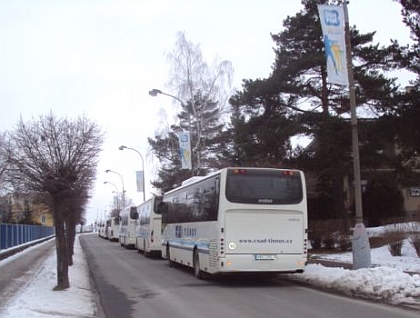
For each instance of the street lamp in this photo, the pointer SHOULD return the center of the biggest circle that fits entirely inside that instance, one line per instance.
(113, 184)
(187, 163)
(142, 163)
(116, 191)
(122, 182)
(154, 92)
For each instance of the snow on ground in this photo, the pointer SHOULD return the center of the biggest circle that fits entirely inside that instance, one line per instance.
(381, 256)
(387, 281)
(38, 300)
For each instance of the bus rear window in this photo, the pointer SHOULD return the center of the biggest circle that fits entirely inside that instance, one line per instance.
(255, 186)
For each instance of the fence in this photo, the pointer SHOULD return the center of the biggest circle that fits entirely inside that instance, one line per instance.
(17, 234)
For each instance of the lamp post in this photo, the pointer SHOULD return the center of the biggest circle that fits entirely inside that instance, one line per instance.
(154, 92)
(116, 191)
(186, 135)
(360, 242)
(122, 182)
(142, 163)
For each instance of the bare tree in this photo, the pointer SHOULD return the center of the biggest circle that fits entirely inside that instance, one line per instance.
(190, 74)
(6, 188)
(58, 158)
(201, 92)
(4, 160)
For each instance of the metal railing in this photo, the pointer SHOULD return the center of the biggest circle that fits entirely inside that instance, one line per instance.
(12, 235)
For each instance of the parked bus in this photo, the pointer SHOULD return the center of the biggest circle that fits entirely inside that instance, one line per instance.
(128, 223)
(237, 220)
(113, 225)
(149, 228)
(102, 229)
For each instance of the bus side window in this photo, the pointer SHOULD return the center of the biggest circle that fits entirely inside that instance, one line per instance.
(210, 200)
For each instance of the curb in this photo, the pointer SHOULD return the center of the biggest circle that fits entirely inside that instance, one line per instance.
(14, 250)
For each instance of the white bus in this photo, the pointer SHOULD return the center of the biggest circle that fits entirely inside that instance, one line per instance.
(113, 228)
(128, 223)
(102, 229)
(149, 228)
(237, 220)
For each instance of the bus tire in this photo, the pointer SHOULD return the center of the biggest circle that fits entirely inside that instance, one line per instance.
(168, 256)
(196, 264)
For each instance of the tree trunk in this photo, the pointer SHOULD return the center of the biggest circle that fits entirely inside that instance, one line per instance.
(71, 235)
(62, 250)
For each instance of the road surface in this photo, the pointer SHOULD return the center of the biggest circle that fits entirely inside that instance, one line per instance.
(131, 285)
(16, 272)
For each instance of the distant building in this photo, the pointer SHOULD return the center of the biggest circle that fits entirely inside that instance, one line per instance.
(23, 208)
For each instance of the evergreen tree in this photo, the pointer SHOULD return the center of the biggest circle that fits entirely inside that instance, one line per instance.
(403, 120)
(26, 213)
(382, 200)
(297, 99)
(6, 215)
(199, 116)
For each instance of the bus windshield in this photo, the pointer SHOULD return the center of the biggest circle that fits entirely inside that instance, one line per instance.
(254, 186)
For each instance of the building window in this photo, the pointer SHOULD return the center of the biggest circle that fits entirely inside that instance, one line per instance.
(414, 192)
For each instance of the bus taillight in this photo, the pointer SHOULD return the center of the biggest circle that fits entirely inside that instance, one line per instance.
(288, 173)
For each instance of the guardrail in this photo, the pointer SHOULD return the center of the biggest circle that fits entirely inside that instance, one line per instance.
(12, 235)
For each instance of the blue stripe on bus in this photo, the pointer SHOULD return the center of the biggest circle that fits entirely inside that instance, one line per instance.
(187, 245)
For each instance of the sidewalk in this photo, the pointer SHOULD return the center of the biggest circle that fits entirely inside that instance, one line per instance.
(17, 249)
(36, 298)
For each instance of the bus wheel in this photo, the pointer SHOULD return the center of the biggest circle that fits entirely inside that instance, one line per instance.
(196, 263)
(168, 257)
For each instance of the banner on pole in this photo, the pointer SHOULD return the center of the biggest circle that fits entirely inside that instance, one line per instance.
(333, 25)
(139, 181)
(185, 149)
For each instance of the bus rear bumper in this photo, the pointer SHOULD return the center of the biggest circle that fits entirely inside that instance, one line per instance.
(251, 263)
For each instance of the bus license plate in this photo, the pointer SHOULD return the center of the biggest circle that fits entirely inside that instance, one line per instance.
(264, 257)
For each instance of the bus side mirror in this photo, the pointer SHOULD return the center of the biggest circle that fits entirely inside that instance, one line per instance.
(134, 214)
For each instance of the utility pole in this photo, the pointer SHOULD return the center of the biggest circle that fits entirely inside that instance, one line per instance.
(360, 242)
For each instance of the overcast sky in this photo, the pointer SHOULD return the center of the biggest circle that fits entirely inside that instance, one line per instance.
(100, 58)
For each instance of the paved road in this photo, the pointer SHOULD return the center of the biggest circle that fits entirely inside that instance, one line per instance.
(131, 285)
(16, 272)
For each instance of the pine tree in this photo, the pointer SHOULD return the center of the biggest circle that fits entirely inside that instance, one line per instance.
(297, 99)
(201, 117)
(405, 116)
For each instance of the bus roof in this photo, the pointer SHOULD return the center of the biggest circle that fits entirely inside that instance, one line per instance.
(196, 179)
